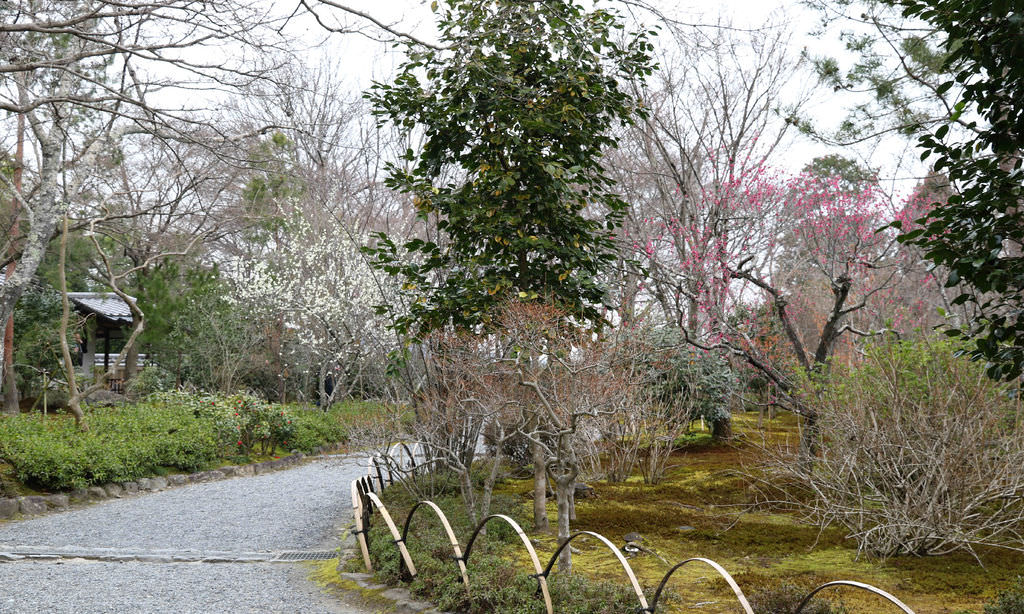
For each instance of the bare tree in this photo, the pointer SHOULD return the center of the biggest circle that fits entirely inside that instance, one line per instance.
(86, 75)
(923, 457)
(570, 382)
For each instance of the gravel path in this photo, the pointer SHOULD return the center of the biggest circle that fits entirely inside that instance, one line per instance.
(304, 508)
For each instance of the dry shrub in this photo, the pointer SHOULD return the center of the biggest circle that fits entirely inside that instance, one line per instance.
(922, 454)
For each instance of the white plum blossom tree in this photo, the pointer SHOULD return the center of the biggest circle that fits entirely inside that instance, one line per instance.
(318, 293)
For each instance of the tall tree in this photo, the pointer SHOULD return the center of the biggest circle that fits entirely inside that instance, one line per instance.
(517, 106)
(87, 74)
(978, 232)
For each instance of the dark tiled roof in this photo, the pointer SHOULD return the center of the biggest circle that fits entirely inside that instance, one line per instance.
(105, 304)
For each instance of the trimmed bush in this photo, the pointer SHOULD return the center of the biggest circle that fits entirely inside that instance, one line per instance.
(123, 444)
(169, 431)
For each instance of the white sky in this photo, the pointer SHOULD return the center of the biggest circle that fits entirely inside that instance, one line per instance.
(364, 60)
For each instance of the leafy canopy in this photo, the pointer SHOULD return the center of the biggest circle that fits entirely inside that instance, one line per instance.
(516, 107)
(978, 234)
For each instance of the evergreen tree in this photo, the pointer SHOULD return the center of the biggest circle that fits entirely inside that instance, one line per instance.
(516, 107)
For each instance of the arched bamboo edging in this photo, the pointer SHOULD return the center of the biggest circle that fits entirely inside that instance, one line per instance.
(394, 532)
(364, 498)
(361, 529)
(402, 446)
(866, 587)
(447, 529)
(622, 560)
(540, 575)
(372, 465)
(721, 571)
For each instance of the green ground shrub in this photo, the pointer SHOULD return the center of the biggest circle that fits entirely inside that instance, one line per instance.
(122, 444)
(1010, 601)
(169, 431)
(785, 597)
(498, 585)
(314, 428)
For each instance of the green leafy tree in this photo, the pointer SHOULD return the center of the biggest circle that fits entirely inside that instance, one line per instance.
(978, 232)
(516, 107)
(893, 77)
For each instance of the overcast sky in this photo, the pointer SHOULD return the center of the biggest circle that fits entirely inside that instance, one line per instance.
(363, 60)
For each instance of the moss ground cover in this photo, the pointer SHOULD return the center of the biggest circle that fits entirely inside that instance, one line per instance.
(702, 509)
(496, 585)
(166, 433)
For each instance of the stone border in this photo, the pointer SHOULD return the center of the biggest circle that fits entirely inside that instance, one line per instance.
(43, 504)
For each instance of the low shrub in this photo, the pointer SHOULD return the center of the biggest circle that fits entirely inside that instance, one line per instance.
(123, 444)
(149, 380)
(252, 425)
(499, 579)
(314, 428)
(920, 453)
(784, 599)
(1010, 601)
(169, 431)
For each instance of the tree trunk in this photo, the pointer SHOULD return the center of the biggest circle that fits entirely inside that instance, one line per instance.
(540, 489)
(564, 487)
(11, 397)
(489, 481)
(10, 381)
(809, 435)
(721, 428)
(131, 360)
(69, 366)
(468, 500)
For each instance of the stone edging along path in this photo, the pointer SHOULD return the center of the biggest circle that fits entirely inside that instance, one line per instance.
(42, 504)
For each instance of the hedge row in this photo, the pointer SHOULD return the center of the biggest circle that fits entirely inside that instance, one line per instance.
(168, 432)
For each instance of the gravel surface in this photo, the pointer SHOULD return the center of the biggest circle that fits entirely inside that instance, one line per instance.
(303, 508)
(294, 509)
(200, 588)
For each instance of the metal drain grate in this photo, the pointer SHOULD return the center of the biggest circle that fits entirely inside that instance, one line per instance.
(322, 555)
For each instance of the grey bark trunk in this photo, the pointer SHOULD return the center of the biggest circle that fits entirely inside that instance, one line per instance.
(466, 486)
(721, 428)
(131, 360)
(11, 396)
(564, 487)
(540, 489)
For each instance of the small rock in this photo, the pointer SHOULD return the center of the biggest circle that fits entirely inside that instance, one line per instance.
(245, 470)
(158, 483)
(178, 479)
(216, 474)
(113, 490)
(145, 484)
(199, 476)
(229, 471)
(105, 398)
(130, 488)
(278, 464)
(8, 508)
(261, 468)
(97, 494)
(633, 537)
(583, 491)
(79, 495)
(58, 502)
(685, 528)
(31, 506)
